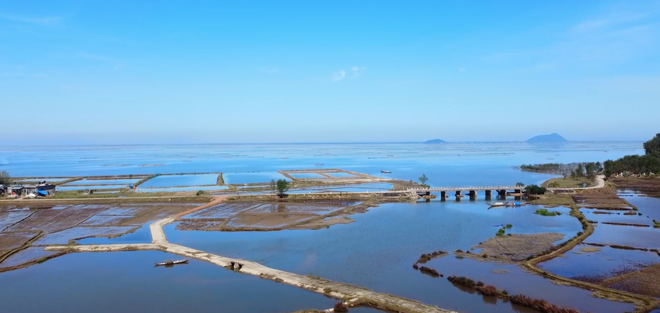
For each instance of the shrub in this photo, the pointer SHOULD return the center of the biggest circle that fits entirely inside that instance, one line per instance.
(500, 232)
(340, 307)
(545, 212)
(509, 225)
(200, 192)
(535, 190)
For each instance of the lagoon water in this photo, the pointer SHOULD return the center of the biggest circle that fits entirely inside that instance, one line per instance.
(376, 251)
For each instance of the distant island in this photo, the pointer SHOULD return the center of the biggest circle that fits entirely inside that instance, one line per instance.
(552, 138)
(435, 141)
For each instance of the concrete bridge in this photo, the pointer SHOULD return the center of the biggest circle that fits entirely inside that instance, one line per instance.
(502, 192)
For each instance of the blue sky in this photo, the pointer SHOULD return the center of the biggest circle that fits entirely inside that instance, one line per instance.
(327, 71)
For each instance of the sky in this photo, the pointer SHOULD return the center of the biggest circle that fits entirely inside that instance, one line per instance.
(114, 72)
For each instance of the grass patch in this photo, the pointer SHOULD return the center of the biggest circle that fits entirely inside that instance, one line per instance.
(545, 212)
(656, 224)
(500, 232)
(567, 182)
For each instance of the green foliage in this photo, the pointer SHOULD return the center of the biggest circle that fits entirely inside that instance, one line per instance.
(509, 226)
(554, 184)
(652, 147)
(423, 179)
(535, 190)
(633, 164)
(282, 186)
(5, 178)
(200, 192)
(273, 185)
(656, 224)
(500, 232)
(519, 184)
(545, 212)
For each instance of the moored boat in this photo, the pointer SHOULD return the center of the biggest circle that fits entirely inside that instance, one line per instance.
(171, 263)
(385, 172)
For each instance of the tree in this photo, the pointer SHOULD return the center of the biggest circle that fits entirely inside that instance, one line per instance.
(273, 185)
(652, 147)
(423, 179)
(579, 172)
(535, 190)
(282, 187)
(519, 184)
(590, 168)
(5, 179)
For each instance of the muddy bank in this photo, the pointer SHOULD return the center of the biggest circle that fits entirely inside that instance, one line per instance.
(643, 282)
(649, 186)
(273, 215)
(516, 247)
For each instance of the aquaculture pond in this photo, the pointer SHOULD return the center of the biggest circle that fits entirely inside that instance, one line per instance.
(247, 178)
(175, 189)
(648, 206)
(68, 188)
(181, 180)
(345, 188)
(102, 182)
(378, 250)
(129, 282)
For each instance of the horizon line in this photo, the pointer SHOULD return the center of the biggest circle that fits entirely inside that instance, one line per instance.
(317, 143)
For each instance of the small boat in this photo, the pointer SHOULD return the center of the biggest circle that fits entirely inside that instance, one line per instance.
(169, 263)
(498, 204)
(385, 172)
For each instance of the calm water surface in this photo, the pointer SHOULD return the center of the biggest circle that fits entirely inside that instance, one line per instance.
(127, 282)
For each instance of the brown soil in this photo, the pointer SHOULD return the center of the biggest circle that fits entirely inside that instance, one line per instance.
(643, 282)
(55, 220)
(324, 223)
(626, 224)
(267, 220)
(590, 249)
(13, 240)
(602, 198)
(649, 186)
(518, 247)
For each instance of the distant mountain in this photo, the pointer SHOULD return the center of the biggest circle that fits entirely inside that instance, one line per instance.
(552, 138)
(435, 141)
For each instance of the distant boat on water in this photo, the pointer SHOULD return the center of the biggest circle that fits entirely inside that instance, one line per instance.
(385, 172)
(498, 204)
(169, 263)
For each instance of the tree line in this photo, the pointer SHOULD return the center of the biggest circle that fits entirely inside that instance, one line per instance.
(637, 164)
(583, 169)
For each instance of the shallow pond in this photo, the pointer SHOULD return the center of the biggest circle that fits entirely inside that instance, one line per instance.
(68, 188)
(648, 206)
(175, 189)
(128, 282)
(247, 178)
(638, 237)
(102, 182)
(181, 180)
(378, 250)
(594, 264)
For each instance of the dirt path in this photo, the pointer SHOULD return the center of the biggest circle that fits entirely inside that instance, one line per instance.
(599, 180)
(356, 295)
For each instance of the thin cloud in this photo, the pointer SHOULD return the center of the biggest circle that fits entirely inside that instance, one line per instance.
(46, 21)
(358, 71)
(612, 20)
(338, 75)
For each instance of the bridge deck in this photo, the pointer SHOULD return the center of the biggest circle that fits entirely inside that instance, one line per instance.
(475, 188)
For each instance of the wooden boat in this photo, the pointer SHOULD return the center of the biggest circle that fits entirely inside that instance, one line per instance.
(498, 204)
(171, 263)
(385, 172)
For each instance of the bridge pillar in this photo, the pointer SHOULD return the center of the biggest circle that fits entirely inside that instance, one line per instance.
(473, 195)
(501, 194)
(458, 195)
(518, 194)
(488, 195)
(443, 196)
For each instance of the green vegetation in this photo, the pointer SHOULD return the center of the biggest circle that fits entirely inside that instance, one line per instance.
(282, 187)
(500, 232)
(509, 226)
(273, 186)
(423, 179)
(585, 169)
(535, 190)
(519, 184)
(656, 224)
(200, 192)
(568, 182)
(5, 178)
(652, 147)
(545, 212)
(635, 164)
